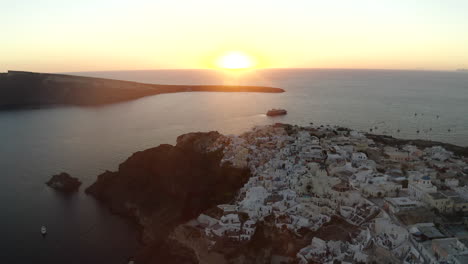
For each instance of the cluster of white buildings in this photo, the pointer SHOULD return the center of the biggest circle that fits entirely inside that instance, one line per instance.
(304, 176)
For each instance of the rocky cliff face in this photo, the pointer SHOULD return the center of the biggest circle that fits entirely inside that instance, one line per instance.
(266, 245)
(165, 186)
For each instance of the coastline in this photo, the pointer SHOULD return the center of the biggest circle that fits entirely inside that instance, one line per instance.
(35, 90)
(165, 240)
(421, 143)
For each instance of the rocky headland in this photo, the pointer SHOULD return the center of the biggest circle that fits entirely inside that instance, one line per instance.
(163, 187)
(281, 194)
(32, 90)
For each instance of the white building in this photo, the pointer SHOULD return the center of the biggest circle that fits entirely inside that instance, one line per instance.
(421, 187)
(358, 157)
(452, 182)
(399, 156)
(398, 204)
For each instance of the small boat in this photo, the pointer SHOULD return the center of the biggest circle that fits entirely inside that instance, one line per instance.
(276, 112)
(43, 230)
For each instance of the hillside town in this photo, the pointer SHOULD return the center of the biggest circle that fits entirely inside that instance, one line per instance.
(384, 203)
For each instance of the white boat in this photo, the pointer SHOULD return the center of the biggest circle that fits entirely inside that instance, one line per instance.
(43, 230)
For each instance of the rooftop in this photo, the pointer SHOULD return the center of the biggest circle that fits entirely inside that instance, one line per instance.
(437, 196)
(449, 245)
(449, 193)
(456, 230)
(430, 232)
(462, 258)
(400, 201)
(458, 199)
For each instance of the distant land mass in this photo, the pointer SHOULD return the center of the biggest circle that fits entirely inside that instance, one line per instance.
(19, 89)
(462, 70)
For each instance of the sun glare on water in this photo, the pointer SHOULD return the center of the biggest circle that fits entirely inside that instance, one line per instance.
(235, 60)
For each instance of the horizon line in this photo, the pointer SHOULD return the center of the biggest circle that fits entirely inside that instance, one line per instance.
(270, 68)
(251, 70)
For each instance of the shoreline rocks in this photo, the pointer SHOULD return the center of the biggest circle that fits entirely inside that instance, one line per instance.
(64, 182)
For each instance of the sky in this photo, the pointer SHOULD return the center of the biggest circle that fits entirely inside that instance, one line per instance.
(95, 35)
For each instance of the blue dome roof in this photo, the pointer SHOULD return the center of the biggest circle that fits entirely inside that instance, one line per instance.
(426, 178)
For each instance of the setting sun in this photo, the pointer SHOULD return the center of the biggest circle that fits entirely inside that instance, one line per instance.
(235, 60)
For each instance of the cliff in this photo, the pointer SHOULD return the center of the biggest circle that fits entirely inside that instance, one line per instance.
(165, 186)
(27, 89)
(162, 188)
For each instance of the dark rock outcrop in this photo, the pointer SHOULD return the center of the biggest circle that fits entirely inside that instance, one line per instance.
(27, 89)
(64, 182)
(165, 186)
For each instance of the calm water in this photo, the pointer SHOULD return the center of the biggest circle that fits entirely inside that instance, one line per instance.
(86, 141)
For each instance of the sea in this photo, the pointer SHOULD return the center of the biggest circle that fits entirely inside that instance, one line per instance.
(86, 141)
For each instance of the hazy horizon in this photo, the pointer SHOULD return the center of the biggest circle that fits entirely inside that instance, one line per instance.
(70, 36)
(247, 70)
